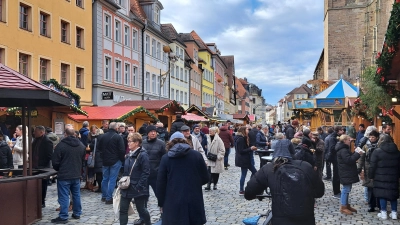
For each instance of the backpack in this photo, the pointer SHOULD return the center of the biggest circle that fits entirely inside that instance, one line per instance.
(293, 192)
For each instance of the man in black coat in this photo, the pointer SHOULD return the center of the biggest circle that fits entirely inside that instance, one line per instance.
(6, 157)
(253, 133)
(297, 208)
(42, 150)
(68, 159)
(155, 149)
(330, 156)
(177, 124)
(112, 148)
(291, 129)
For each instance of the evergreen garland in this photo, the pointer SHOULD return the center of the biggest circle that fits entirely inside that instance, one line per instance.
(171, 104)
(133, 112)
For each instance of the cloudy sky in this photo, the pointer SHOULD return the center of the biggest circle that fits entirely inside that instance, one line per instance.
(276, 43)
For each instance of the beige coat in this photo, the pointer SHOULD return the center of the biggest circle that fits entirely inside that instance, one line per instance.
(216, 147)
(17, 155)
(197, 147)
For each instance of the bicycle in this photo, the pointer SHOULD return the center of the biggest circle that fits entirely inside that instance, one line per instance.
(268, 215)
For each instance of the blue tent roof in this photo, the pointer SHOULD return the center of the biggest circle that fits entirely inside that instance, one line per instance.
(340, 89)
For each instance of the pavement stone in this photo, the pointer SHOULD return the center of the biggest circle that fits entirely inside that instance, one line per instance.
(222, 206)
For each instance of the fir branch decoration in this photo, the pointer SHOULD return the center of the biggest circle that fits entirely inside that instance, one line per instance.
(133, 112)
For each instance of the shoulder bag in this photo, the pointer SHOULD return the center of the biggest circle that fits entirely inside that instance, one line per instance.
(211, 156)
(92, 156)
(125, 181)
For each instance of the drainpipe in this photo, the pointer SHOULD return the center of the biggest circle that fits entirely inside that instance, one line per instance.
(190, 87)
(143, 59)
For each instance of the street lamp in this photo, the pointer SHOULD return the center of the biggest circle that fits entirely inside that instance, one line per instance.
(163, 76)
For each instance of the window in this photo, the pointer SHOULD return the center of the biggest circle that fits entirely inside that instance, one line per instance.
(117, 71)
(126, 36)
(134, 39)
(176, 50)
(127, 78)
(24, 14)
(157, 16)
(147, 82)
(64, 31)
(2, 10)
(172, 71)
(153, 81)
(2, 55)
(177, 96)
(172, 94)
(79, 77)
(181, 96)
(158, 50)
(134, 78)
(177, 72)
(79, 37)
(181, 55)
(107, 26)
(186, 76)
(44, 24)
(24, 64)
(44, 66)
(158, 85)
(164, 55)
(64, 74)
(181, 74)
(147, 44)
(117, 31)
(79, 3)
(185, 100)
(107, 73)
(153, 48)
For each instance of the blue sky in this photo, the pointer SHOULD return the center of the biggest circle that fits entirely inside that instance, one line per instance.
(276, 43)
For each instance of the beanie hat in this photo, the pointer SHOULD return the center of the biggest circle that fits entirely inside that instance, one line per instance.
(176, 135)
(150, 128)
(184, 127)
(295, 122)
(306, 141)
(195, 126)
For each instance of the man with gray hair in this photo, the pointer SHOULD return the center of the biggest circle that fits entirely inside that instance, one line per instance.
(111, 147)
(84, 131)
(282, 147)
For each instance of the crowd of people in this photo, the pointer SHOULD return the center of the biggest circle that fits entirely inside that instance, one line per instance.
(198, 155)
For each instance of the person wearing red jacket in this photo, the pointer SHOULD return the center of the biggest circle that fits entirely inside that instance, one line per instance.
(226, 137)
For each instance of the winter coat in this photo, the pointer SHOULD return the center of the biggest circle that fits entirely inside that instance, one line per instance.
(53, 138)
(6, 158)
(142, 129)
(319, 153)
(84, 135)
(364, 161)
(351, 131)
(261, 140)
(162, 134)
(44, 146)
(181, 174)
(303, 153)
(359, 136)
(384, 169)
(330, 143)
(18, 149)
(98, 159)
(139, 177)
(216, 147)
(176, 126)
(226, 137)
(252, 136)
(243, 152)
(112, 148)
(68, 158)
(203, 141)
(197, 146)
(266, 177)
(347, 165)
(125, 139)
(289, 132)
(282, 147)
(205, 130)
(155, 149)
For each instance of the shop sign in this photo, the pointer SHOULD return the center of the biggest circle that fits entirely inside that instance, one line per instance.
(108, 95)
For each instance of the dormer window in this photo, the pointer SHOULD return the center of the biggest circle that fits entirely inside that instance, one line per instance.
(157, 16)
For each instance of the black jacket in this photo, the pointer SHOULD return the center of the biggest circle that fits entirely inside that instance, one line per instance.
(179, 186)
(384, 169)
(112, 148)
(252, 136)
(138, 185)
(162, 134)
(261, 140)
(266, 177)
(98, 159)
(347, 165)
(330, 143)
(155, 149)
(68, 157)
(176, 126)
(303, 153)
(84, 135)
(243, 152)
(6, 158)
(42, 151)
(289, 132)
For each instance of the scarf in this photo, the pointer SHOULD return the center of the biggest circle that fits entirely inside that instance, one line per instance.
(198, 136)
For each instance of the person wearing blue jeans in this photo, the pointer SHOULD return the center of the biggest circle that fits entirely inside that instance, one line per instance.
(110, 174)
(226, 156)
(383, 213)
(64, 187)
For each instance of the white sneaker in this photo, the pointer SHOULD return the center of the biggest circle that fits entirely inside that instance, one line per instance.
(393, 215)
(382, 215)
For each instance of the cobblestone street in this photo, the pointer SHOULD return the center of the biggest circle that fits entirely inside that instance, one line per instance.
(223, 206)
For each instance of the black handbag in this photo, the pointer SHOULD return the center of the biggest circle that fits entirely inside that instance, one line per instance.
(212, 157)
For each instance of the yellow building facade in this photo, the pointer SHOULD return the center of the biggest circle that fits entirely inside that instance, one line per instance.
(207, 87)
(49, 39)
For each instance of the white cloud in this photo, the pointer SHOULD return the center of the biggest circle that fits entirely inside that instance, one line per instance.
(275, 43)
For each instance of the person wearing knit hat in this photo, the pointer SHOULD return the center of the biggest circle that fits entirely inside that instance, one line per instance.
(155, 149)
(304, 153)
(319, 152)
(176, 135)
(291, 129)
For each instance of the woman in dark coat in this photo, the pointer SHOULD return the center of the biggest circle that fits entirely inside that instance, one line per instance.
(243, 155)
(347, 166)
(94, 137)
(6, 158)
(384, 171)
(303, 152)
(181, 174)
(138, 166)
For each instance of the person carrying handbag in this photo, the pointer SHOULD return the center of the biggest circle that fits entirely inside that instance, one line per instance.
(136, 165)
